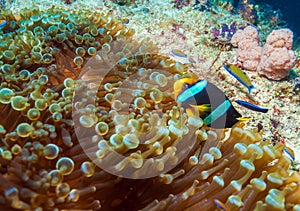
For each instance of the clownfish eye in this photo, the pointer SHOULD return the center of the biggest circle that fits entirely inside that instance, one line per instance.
(185, 85)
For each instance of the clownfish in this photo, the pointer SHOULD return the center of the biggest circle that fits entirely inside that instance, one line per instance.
(213, 105)
(240, 75)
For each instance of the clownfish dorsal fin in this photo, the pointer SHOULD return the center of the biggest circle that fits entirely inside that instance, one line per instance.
(189, 80)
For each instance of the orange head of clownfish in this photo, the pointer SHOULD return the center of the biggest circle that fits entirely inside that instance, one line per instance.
(181, 84)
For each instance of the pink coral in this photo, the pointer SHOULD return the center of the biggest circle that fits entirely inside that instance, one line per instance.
(249, 34)
(274, 60)
(280, 38)
(249, 50)
(277, 57)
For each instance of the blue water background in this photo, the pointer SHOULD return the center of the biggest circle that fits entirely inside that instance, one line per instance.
(290, 10)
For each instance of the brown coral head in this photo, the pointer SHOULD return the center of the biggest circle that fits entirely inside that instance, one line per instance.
(126, 118)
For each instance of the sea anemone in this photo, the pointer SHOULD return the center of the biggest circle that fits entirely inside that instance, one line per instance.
(88, 121)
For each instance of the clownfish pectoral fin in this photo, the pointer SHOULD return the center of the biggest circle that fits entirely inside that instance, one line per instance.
(204, 108)
(244, 118)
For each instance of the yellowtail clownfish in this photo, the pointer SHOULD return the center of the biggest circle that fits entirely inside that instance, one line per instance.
(213, 105)
(240, 75)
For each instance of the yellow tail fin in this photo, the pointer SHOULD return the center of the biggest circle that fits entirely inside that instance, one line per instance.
(244, 118)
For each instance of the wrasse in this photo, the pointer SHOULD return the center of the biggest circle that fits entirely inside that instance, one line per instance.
(178, 53)
(191, 60)
(251, 106)
(289, 152)
(213, 105)
(124, 20)
(183, 55)
(3, 23)
(220, 205)
(240, 75)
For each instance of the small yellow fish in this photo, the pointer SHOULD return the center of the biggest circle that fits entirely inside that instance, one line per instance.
(240, 75)
(3, 23)
(191, 60)
(289, 152)
(221, 205)
(125, 20)
(179, 53)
